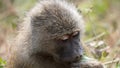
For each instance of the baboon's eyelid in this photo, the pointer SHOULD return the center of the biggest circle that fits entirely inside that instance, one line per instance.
(65, 37)
(75, 33)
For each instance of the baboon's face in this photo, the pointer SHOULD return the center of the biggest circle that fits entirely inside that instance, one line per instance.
(68, 49)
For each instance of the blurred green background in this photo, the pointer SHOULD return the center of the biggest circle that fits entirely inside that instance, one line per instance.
(102, 31)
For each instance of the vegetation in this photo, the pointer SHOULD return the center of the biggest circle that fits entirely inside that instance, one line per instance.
(101, 20)
(2, 63)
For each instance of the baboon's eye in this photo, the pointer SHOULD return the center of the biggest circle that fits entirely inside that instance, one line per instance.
(64, 37)
(75, 33)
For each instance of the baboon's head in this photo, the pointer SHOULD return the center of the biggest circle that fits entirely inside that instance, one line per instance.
(56, 30)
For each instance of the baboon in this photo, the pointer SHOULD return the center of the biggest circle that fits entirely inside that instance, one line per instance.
(49, 37)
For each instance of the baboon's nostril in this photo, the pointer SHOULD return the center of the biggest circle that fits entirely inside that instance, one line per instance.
(78, 57)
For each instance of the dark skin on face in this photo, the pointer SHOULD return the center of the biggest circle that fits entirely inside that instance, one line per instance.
(71, 49)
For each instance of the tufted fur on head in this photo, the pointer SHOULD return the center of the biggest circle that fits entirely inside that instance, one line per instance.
(55, 18)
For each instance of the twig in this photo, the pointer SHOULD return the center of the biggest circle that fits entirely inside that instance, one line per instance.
(110, 62)
(94, 38)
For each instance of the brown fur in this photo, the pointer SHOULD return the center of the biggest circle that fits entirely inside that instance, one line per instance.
(48, 20)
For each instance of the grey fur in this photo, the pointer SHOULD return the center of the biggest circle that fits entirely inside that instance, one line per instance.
(48, 20)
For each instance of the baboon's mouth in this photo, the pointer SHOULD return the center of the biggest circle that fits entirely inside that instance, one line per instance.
(75, 65)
